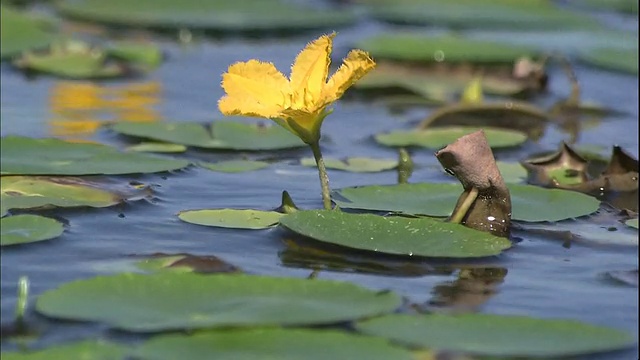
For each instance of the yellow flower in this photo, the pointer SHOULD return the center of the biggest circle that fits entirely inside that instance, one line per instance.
(299, 104)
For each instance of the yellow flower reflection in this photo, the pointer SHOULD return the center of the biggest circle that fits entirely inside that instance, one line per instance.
(299, 104)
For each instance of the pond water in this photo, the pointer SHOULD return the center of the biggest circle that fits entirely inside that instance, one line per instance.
(544, 278)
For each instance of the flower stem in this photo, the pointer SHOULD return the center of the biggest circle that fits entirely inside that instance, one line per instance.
(324, 177)
(463, 209)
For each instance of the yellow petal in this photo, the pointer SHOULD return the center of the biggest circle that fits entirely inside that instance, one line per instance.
(229, 105)
(257, 82)
(472, 93)
(311, 68)
(356, 65)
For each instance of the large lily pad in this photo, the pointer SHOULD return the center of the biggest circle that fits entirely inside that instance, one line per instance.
(231, 218)
(24, 192)
(22, 229)
(354, 164)
(230, 135)
(28, 156)
(264, 344)
(21, 32)
(437, 137)
(87, 350)
(235, 166)
(394, 235)
(529, 203)
(482, 14)
(449, 48)
(624, 60)
(222, 15)
(485, 334)
(168, 300)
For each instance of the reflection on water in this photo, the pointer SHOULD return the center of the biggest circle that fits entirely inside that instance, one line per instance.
(78, 109)
(470, 290)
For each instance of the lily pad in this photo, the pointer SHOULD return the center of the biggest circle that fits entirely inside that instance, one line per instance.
(425, 237)
(623, 60)
(482, 14)
(529, 203)
(167, 301)
(231, 16)
(512, 172)
(633, 223)
(484, 334)
(448, 48)
(264, 344)
(623, 6)
(235, 166)
(71, 59)
(29, 156)
(157, 147)
(230, 135)
(185, 263)
(22, 229)
(24, 192)
(231, 218)
(21, 32)
(145, 54)
(437, 137)
(80, 350)
(354, 164)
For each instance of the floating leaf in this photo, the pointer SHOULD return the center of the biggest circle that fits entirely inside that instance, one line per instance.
(167, 301)
(231, 218)
(484, 334)
(512, 172)
(146, 54)
(624, 60)
(632, 222)
(21, 32)
(185, 263)
(246, 15)
(267, 344)
(394, 235)
(565, 167)
(439, 137)
(87, 350)
(25, 192)
(28, 156)
(624, 6)
(530, 203)
(230, 135)
(157, 147)
(22, 229)
(235, 166)
(354, 164)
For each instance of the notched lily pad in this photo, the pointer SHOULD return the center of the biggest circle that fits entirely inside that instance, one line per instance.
(186, 263)
(495, 335)
(235, 166)
(438, 137)
(231, 218)
(229, 135)
(266, 344)
(21, 32)
(354, 164)
(29, 156)
(22, 229)
(423, 237)
(79, 350)
(170, 301)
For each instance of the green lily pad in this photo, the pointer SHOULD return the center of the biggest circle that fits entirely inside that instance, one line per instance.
(157, 147)
(438, 137)
(529, 203)
(448, 48)
(167, 300)
(512, 172)
(633, 223)
(246, 15)
(483, 14)
(230, 135)
(87, 350)
(22, 229)
(395, 235)
(71, 59)
(21, 32)
(231, 218)
(24, 192)
(29, 156)
(623, 6)
(146, 54)
(354, 164)
(268, 344)
(185, 263)
(624, 60)
(235, 166)
(496, 335)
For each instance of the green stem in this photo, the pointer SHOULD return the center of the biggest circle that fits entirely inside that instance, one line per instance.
(463, 209)
(324, 177)
(23, 296)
